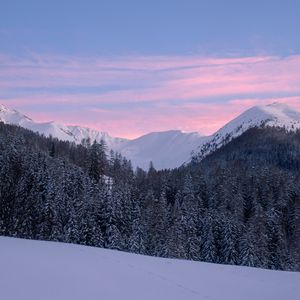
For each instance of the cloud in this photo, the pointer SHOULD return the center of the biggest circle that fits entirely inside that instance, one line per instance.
(128, 96)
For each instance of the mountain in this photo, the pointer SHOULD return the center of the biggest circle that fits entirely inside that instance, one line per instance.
(155, 147)
(168, 149)
(54, 190)
(60, 131)
(273, 115)
(49, 270)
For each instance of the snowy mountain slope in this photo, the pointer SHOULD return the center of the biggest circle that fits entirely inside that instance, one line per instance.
(165, 149)
(168, 149)
(275, 114)
(34, 270)
(60, 131)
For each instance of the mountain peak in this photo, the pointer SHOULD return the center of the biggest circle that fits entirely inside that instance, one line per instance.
(275, 115)
(3, 108)
(277, 105)
(11, 116)
(166, 149)
(282, 115)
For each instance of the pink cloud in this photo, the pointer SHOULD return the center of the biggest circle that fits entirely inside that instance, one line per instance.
(293, 101)
(203, 117)
(151, 79)
(162, 80)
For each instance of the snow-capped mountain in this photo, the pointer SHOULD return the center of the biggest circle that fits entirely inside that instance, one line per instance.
(168, 149)
(60, 131)
(275, 114)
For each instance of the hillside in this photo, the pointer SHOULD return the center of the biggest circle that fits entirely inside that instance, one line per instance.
(240, 205)
(271, 115)
(35, 270)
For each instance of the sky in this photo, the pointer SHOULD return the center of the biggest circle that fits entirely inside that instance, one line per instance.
(131, 67)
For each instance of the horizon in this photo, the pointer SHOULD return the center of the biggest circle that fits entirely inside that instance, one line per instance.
(162, 131)
(148, 67)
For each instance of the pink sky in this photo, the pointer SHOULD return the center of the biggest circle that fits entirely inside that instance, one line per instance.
(130, 96)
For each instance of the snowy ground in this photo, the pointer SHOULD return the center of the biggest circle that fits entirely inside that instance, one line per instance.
(35, 270)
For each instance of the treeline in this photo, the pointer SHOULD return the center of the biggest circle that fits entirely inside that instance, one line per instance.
(240, 205)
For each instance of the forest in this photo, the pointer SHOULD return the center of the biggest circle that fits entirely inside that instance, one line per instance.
(239, 205)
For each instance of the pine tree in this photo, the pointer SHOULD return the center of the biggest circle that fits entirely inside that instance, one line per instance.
(97, 160)
(248, 246)
(137, 239)
(176, 238)
(208, 249)
(229, 241)
(114, 238)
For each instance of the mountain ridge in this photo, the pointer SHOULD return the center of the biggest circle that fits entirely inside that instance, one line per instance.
(273, 115)
(166, 149)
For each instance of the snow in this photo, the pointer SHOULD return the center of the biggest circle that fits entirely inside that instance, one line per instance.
(34, 270)
(60, 131)
(275, 114)
(167, 149)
